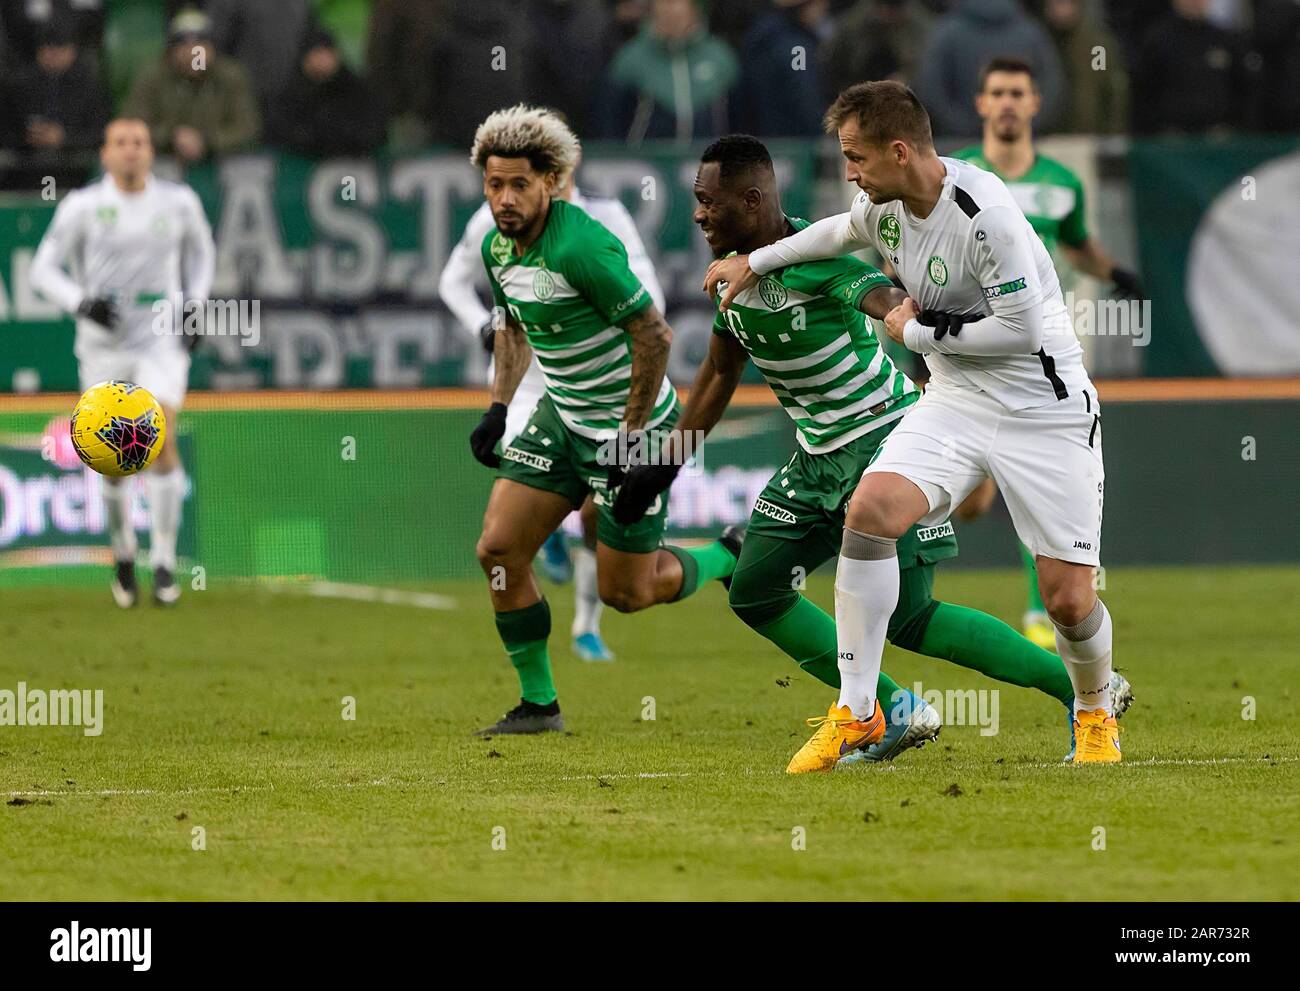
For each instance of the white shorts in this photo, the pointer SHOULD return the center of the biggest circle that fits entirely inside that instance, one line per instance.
(162, 367)
(1047, 462)
(531, 389)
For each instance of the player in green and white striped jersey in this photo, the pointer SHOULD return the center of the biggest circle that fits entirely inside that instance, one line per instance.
(564, 291)
(805, 329)
(1052, 199)
(824, 364)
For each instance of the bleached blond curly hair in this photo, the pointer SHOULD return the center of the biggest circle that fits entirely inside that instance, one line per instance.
(535, 133)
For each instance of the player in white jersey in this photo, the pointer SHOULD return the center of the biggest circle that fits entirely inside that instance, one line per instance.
(135, 246)
(1008, 398)
(457, 286)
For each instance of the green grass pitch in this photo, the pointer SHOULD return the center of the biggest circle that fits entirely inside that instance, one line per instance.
(226, 716)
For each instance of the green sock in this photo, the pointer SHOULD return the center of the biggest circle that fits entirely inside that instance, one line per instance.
(702, 564)
(807, 633)
(524, 632)
(984, 643)
(1033, 601)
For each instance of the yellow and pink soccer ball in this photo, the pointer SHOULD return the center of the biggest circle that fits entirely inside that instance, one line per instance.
(118, 428)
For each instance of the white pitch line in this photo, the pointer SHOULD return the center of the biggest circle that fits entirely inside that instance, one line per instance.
(219, 790)
(639, 776)
(370, 593)
(1150, 762)
(629, 777)
(1192, 762)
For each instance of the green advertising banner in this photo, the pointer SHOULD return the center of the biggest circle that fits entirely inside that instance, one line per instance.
(1217, 223)
(371, 492)
(348, 494)
(340, 262)
(52, 514)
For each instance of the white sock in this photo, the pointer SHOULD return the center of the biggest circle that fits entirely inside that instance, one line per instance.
(586, 595)
(866, 592)
(117, 503)
(1086, 651)
(165, 492)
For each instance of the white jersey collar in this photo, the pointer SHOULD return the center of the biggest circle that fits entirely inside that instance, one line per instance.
(113, 189)
(946, 193)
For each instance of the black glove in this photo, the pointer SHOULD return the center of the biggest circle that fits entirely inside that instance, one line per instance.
(100, 309)
(944, 323)
(641, 487)
(628, 443)
(490, 429)
(487, 335)
(1127, 284)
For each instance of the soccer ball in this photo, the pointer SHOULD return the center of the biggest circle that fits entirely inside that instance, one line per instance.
(118, 428)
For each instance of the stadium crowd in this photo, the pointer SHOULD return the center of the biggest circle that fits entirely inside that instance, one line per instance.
(336, 77)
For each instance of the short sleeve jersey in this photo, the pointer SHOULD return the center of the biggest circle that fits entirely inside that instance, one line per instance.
(804, 332)
(570, 292)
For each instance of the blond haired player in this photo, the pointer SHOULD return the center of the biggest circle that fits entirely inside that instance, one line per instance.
(567, 296)
(133, 244)
(457, 287)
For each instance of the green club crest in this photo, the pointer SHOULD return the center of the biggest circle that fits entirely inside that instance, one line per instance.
(774, 294)
(543, 285)
(500, 249)
(890, 231)
(938, 271)
(106, 215)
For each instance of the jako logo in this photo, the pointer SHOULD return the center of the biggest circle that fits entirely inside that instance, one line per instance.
(77, 945)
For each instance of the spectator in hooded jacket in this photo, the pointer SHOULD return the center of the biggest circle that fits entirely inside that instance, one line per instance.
(781, 92)
(965, 38)
(265, 37)
(1193, 76)
(572, 41)
(874, 39)
(326, 110)
(58, 102)
(1096, 98)
(196, 102)
(23, 21)
(673, 80)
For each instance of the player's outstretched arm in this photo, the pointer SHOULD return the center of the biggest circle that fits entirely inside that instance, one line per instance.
(829, 237)
(651, 337)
